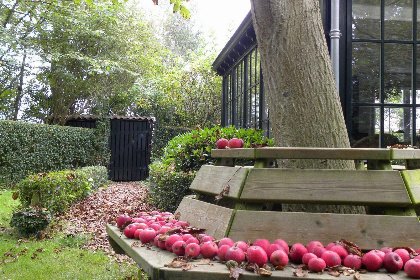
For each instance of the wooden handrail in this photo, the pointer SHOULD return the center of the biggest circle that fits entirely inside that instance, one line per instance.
(317, 153)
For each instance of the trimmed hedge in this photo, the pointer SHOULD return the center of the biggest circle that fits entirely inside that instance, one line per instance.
(171, 176)
(27, 148)
(57, 190)
(162, 135)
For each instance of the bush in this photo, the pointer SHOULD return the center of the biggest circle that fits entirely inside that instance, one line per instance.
(30, 221)
(162, 135)
(27, 148)
(168, 186)
(57, 190)
(171, 177)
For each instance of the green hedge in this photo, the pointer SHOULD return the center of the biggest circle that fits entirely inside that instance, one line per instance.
(171, 176)
(27, 148)
(162, 135)
(57, 190)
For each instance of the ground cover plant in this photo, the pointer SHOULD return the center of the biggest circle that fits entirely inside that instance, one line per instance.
(75, 244)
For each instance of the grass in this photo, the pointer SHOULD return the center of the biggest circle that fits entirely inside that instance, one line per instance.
(59, 257)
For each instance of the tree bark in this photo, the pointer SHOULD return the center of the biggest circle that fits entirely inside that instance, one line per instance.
(303, 101)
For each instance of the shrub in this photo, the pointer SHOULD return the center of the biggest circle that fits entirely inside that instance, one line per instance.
(168, 185)
(27, 148)
(171, 177)
(30, 221)
(162, 135)
(57, 190)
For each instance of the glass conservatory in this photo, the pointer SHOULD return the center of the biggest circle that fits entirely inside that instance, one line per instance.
(377, 71)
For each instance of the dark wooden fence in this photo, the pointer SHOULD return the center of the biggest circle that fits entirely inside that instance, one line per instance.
(130, 144)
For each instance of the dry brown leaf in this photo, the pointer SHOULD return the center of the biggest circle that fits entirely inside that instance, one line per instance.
(224, 191)
(299, 272)
(356, 275)
(204, 261)
(235, 272)
(15, 195)
(279, 267)
(334, 272)
(264, 272)
(187, 267)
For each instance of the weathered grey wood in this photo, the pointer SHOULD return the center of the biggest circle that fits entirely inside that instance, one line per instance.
(367, 231)
(233, 153)
(150, 260)
(318, 153)
(412, 181)
(213, 179)
(153, 262)
(215, 219)
(325, 186)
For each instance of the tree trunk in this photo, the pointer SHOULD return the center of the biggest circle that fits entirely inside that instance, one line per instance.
(303, 101)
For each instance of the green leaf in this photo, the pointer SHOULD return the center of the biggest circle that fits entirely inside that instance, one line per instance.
(185, 13)
(176, 7)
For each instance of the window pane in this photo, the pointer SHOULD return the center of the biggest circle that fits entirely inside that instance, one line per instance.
(365, 124)
(398, 19)
(397, 73)
(365, 72)
(417, 141)
(397, 123)
(366, 21)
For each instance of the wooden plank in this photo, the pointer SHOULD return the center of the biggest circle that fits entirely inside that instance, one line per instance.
(153, 260)
(318, 153)
(149, 260)
(325, 186)
(233, 153)
(367, 231)
(412, 182)
(215, 219)
(213, 179)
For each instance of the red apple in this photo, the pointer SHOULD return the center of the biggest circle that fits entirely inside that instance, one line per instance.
(179, 248)
(234, 254)
(331, 258)
(306, 257)
(206, 238)
(221, 252)
(296, 252)
(171, 240)
(186, 236)
(226, 241)
(209, 249)
(123, 220)
(273, 247)
(257, 255)
(353, 261)
(192, 250)
(235, 143)
(372, 261)
(222, 143)
(263, 243)
(192, 240)
(404, 254)
(393, 262)
(317, 264)
(241, 244)
(147, 235)
(283, 244)
(412, 268)
(279, 258)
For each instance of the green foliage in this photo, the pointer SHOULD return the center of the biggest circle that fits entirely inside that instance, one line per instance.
(57, 190)
(162, 135)
(171, 177)
(168, 186)
(30, 221)
(189, 151)
(27, 148)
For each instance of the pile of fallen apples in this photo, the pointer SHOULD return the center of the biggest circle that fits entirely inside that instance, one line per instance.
(165, 231)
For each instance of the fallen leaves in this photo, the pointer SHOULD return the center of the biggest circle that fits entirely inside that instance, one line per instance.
(91, 215)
